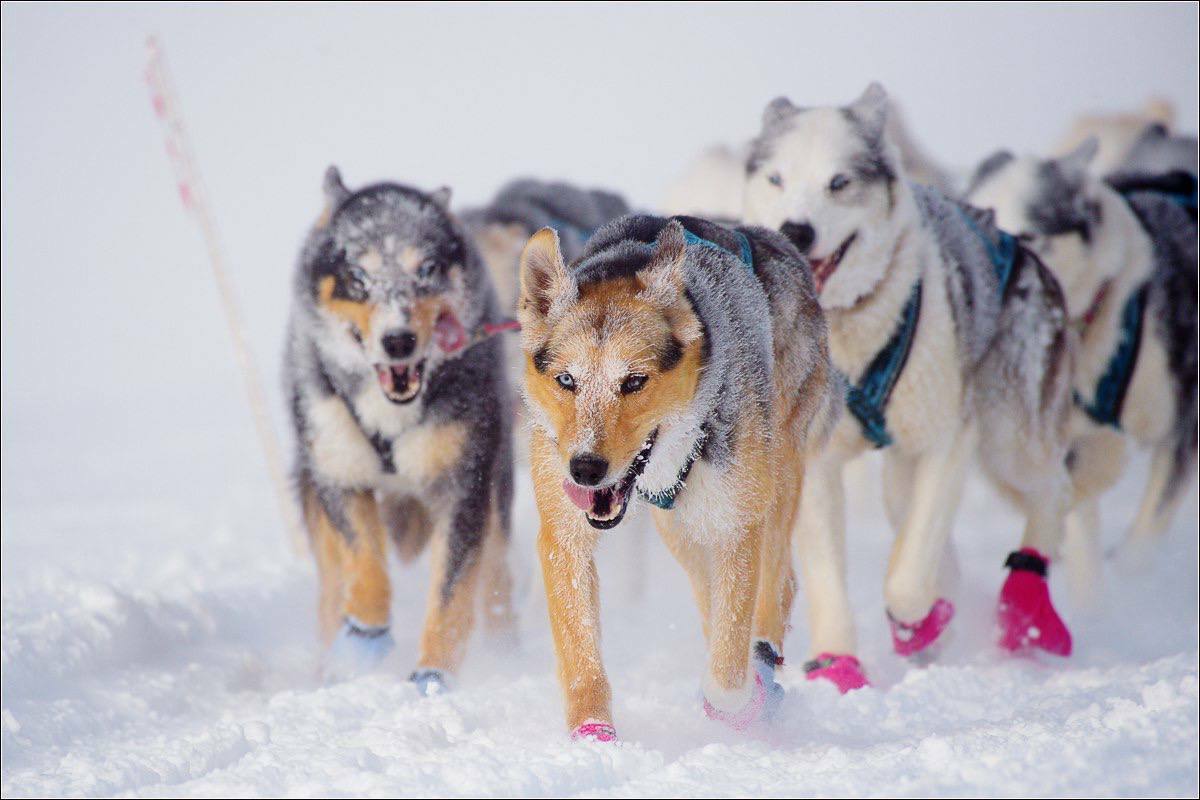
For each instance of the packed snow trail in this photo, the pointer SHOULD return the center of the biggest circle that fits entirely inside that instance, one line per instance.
(166, 647)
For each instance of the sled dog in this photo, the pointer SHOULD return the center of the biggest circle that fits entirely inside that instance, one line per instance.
(681, 364)
(952, 338)
(403, 422)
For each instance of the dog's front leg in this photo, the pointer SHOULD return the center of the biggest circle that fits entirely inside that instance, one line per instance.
(573, 601)
(730, 694)
(450, 610)
(917, 614)
(348, 540)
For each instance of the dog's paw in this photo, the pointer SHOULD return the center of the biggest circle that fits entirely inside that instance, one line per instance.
(765, 697)
(843, 671)
(910, 640)
(430, 682)
(356, 650)
(594, 731)
(1026, 615)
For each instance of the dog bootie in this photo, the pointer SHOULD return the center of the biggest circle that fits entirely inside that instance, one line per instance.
(765, 697)
(909, 640)
(356, 650)
(1027, 617)
(594, 731)
(843, 671)
(430, 682)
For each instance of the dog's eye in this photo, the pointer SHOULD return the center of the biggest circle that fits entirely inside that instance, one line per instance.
(633, 383)
(838, 182)
(427, 268)
(565, 381)
(354, 285)
(775, 179)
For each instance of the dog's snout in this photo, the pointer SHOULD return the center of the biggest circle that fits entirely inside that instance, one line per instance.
(801, 234)
(588, 469)
(399, 344)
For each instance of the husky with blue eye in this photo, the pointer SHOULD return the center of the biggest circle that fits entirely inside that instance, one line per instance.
(952, 338)
(403, 422)
(682, 365)
(1124, 250)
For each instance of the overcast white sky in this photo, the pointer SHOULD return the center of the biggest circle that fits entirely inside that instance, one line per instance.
(109, 315)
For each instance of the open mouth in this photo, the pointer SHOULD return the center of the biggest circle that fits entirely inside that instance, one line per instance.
(823, 268)
(401, 383)
(605, 507)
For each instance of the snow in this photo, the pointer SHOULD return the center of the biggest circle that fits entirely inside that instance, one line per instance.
(157, 636)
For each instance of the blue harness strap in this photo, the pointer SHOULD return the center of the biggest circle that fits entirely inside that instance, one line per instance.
(1002, 252)
(746, 254)
(1109, 398)
(867, 399)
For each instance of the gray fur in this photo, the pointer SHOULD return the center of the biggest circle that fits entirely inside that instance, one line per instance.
(1158, 150)
(1171, 304)
(469, 388)
(575, 213)
(757, 322)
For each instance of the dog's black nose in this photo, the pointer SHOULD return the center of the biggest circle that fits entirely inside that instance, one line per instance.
(588, 469)
(399, 344)
(801, 234)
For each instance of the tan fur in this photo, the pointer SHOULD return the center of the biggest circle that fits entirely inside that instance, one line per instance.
(620, 326)
(430, 450)
(356, 314)
(354, 579)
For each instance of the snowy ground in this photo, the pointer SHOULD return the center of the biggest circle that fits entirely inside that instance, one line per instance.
(165, 647)
(158, 636)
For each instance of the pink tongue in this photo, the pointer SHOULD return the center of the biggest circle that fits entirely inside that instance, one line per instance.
(578, 495)
(449, 333)
(385, 379)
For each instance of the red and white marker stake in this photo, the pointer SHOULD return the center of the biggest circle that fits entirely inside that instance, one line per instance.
(191, 192)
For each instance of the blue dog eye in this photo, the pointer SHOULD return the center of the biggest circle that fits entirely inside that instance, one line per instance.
(838, 182)
(566, 381)
(775, 179)
(427, 267)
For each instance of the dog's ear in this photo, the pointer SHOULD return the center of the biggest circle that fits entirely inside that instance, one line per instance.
(441, 197)
(778, 111)
(987, 168)
(1075, 163)
(546, 285)
(871, 109)
(335, 190)
(662, 277)
(662, 282)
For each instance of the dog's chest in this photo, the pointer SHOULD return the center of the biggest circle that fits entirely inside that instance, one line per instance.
(379, 444)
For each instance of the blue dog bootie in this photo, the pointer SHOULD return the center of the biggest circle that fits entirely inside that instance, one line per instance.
(430, 682)
(356, 650)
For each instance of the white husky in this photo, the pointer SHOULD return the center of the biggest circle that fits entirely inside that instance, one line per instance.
(938, 321)
(1125, 252)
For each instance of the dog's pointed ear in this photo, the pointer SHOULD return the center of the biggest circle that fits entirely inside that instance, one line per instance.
(662, 277)
(987, 168)
(546, 285)
(441, 197)
(871, 109)
(1075, 163)
(778, 111)
(335, 190)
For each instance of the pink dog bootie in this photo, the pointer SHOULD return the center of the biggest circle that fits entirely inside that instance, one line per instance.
(594, 731)
(767, 695)
(843, 671)
(911, 639)
(1026, 615)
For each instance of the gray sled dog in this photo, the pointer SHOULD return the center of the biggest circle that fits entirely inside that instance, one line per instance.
(1124, 250)
(682, 365)
(403, 422)
(952, 338)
